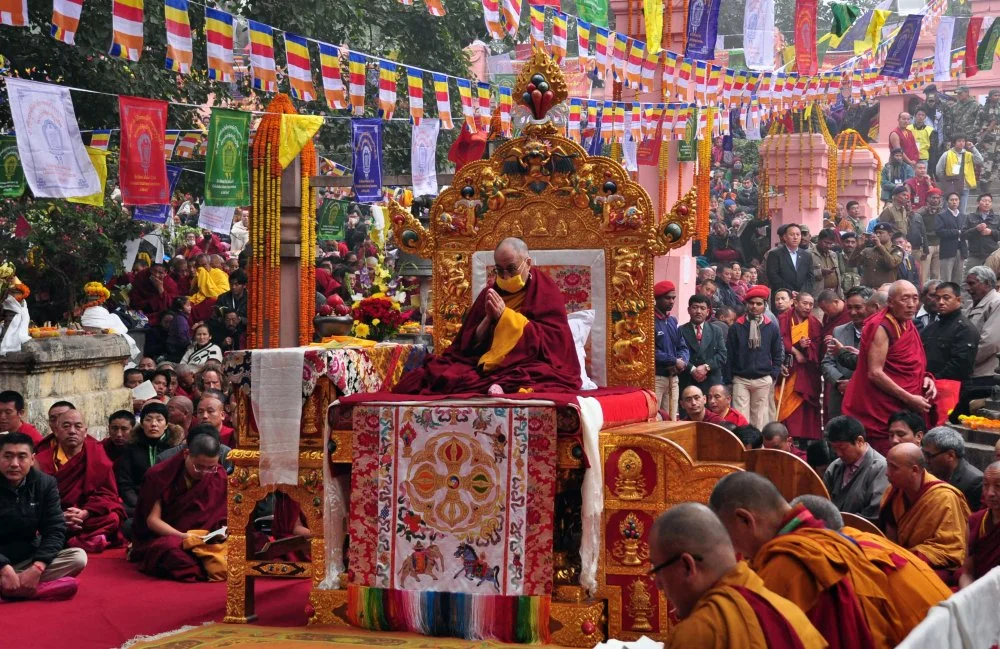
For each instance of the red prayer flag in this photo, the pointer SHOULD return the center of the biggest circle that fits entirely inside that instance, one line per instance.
(972, 44)
(142, 173)
(806, 60)
(21, 227)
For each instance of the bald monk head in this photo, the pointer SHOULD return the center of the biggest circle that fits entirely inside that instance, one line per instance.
(693, 402)
(904, 300)
(751, 508)
(216, 261)
(512, 264)
(823, 509)
(70, 432)
(776, 436)
(690, 551)
(905, 468)
(991, 488)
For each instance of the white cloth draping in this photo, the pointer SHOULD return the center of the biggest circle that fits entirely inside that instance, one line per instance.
(591, 422)
(97, 317)
(17, 333)
(276, 398)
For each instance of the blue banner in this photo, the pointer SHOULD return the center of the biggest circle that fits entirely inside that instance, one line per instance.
(702, 29)
(159, 213)
(367, 144)
(900, 56)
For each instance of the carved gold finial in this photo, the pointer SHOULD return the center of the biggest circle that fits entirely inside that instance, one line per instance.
(555, 91)
(630, 485)
(630, 550)
(640, 605)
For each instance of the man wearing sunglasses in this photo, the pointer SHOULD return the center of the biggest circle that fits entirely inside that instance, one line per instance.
(721, 601)
(516, 337)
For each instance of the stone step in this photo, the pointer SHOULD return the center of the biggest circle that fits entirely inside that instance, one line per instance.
(979, 455)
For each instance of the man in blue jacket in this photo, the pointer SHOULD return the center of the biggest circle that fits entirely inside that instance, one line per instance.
(672, 352)
(755, 356)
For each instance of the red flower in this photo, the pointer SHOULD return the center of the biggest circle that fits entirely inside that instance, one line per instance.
(412, 522)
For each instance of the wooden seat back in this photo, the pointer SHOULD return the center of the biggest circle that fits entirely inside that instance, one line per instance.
(792, 476)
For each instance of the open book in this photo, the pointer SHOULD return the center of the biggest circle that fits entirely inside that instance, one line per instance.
(218, 536)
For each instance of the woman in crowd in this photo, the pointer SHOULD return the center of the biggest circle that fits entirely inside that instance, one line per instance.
(202, 348)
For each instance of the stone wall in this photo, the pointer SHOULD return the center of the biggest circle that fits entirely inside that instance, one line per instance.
(85, 370)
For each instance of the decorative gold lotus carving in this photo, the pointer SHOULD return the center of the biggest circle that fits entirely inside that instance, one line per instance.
(629, 484)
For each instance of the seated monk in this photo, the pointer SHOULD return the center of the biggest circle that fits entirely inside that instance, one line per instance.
(86, 480)
(721, 601)
(926, 516)
(984, 531)
(287, 520)
(913, 585)
(181, 500)
(209, 282)
(720, 402)
(693, 405)
(515, 337)
(826, 575)
(892, 369)
(775, 436)
(153, 291)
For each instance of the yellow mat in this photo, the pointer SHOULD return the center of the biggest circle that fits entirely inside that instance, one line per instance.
(229, 636)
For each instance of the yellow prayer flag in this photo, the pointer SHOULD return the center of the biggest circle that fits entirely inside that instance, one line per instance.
(98, 158)
(874, 32)
(654, 24)
(296, 130)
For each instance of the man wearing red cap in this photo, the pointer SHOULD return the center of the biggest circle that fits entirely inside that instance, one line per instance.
(672, 352)
(755, 356)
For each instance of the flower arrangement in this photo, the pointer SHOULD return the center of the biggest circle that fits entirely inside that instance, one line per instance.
(376, 317)
(976, 422)
(96, 294)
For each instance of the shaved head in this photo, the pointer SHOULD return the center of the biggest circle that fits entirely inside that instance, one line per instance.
(905, 468)
(746, 490)
(991, 487)
(823, 509)
(517, 246)
(690, 551)
(906, 454)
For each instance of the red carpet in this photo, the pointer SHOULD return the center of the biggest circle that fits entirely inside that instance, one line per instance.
(116, 602)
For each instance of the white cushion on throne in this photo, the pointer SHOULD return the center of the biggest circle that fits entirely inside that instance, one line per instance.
(582, 277)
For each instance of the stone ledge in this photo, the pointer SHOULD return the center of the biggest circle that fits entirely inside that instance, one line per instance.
(65, 352)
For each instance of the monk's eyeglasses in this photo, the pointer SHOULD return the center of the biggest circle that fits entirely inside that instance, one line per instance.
(669, 562)
(509, 271)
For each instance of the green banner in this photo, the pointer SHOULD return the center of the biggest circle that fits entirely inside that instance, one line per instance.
(330, 220)
(227, 177)
(987, 49)
(687, 149)
(593, 11)
(12, 181)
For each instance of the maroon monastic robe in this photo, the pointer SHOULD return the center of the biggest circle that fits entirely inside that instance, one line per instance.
(905, 363)
(544, 359)
(200, 506)
(87, 481)
(984, 543)
(147, 299)
(804, 422)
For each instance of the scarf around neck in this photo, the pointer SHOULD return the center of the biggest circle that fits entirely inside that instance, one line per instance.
(753, 340)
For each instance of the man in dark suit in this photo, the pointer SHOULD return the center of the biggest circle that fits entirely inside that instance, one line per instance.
(707, 345)
(788, 266)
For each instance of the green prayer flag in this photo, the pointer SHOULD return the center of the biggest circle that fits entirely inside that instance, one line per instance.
(331, 219)
(844, 16)
(687, 149)
(987, 49)
(12, 181)
(593, 11)
(227, 177)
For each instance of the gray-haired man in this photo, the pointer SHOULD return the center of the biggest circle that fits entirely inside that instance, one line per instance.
(944, 453)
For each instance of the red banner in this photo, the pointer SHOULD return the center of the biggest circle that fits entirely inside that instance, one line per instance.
(972, 44)
(142, 172)
(806, 59)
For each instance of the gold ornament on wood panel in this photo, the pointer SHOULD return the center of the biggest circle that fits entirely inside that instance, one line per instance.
(545, 189)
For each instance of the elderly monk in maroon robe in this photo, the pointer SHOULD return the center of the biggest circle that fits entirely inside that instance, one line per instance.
(86, 480)
(892, 368)
(798, 396)
(515, 338)
(152, 292)
(178, 496)
(984, 531)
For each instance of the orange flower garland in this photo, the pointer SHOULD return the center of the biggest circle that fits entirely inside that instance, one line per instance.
(307, 277)
(703, 177)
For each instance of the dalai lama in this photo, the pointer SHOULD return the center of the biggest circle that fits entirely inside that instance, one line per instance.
(515, 338)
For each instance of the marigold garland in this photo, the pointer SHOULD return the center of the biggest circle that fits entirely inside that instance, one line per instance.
(307, 277)
(833, 172)
(668, 11)
(849, 141)
(975, 422)
(664, 167)
(703, 177)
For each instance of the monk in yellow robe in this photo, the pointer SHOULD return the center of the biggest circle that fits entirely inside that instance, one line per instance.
(515, 338)
(210, 281)
(912, 584)
(843, 594)
(927, 516)
(722, 603)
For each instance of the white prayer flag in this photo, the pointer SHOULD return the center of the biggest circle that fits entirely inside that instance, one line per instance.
(55, 162)
(942, 48)
(758, 34)
(423, 157)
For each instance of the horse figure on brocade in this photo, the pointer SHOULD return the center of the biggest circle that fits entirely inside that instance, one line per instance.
(422, 561)
(476, 568)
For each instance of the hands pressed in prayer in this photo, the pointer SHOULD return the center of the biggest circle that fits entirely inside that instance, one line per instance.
(494, 305)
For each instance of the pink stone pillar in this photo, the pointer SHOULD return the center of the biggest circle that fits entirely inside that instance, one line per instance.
(889, 108)
(291, 253)
(801, 182)
(859, 182)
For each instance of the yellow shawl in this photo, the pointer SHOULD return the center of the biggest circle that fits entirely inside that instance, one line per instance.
(210, 283)
(951, 161)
